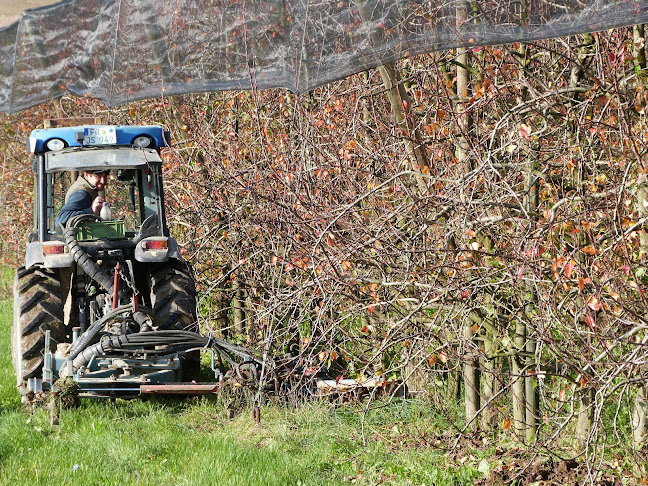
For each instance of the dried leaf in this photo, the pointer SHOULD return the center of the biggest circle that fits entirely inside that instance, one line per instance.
(594, 304)
(507, 424)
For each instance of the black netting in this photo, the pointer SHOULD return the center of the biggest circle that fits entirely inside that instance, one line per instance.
(124, 50)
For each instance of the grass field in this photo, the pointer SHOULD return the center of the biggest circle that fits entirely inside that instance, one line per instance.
(195, 442)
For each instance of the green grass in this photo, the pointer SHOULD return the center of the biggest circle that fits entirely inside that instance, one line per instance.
(194, 442)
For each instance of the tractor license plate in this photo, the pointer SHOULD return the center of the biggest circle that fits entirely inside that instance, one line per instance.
(100, 136)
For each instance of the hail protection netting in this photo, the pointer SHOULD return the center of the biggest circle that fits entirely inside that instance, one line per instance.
(124, 50)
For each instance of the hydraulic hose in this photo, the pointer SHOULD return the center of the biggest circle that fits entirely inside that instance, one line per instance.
(145, 322)
(81, 257)
(185, 339)
(82, 342)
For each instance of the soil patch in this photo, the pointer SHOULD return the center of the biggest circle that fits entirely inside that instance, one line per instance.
(567, 471)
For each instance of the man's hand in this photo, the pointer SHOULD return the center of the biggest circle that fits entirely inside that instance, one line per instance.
(96, 205)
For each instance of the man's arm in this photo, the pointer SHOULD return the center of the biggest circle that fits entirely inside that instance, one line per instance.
(79, 202)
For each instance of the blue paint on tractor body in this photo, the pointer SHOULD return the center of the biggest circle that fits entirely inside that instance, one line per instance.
(36, 143)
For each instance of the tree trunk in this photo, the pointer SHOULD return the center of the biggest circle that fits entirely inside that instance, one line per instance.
(471, 385)
(639, 420)
(470, 371)
(487, 387)
(531, 299)
(401, 103)
(518, 385)
(463, 148)
(585, 417)
(237, 304)
(639, 47)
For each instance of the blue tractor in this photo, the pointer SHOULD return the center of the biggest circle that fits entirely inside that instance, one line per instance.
(108, 303)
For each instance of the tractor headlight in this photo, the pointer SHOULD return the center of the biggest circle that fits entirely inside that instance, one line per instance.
(55, 144)
(141, 142)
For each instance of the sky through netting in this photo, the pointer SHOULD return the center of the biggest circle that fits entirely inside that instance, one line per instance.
(126, 50)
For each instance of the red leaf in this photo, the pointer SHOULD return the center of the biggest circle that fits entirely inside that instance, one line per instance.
(520, 272)
(589, 320)
(569, 268)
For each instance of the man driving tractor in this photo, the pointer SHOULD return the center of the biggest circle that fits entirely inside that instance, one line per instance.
(83, 196)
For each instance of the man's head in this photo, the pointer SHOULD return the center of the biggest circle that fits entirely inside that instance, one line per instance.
(97, 178)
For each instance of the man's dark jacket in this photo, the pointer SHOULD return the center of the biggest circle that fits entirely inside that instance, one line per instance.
(78, 200)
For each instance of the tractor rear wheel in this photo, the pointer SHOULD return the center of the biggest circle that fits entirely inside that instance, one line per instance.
(38, 307)
(173, 299)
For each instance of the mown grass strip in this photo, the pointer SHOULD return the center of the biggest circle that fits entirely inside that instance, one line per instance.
(195, 442)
